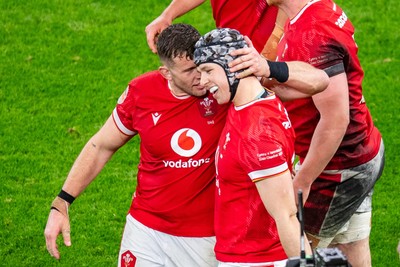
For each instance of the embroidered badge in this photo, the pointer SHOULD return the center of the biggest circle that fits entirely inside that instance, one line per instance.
(127, 259)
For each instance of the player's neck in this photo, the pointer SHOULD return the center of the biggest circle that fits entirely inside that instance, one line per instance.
(176, 91)
(249, 90)
(292, 8)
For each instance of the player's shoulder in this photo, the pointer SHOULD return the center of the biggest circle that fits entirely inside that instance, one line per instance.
(327, 13)
(322, 21)
(148, 82)
(148, 78)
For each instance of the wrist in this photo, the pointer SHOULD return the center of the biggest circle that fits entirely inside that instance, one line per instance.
(302, 182)
(62, 202)
(66, 197)
(169, 15)
(278, 70)
(167, 18)
(61, 206)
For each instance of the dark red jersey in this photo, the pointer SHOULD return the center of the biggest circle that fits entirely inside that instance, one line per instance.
(253, 18)
(322, 35)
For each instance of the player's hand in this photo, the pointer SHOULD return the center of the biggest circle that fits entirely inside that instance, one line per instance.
(57, 223)
(250, 61)
(154, 29)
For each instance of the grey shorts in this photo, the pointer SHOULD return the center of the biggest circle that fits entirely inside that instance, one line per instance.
(337, 194)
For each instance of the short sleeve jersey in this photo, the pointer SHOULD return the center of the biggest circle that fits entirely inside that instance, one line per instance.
(256, 143)
(253, 18)
(176, 173)
(322, 35)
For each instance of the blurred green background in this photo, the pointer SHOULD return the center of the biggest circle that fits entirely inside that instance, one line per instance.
(63, 65)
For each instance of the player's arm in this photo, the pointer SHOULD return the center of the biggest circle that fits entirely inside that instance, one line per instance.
(333, 106)
(95, 154)
(304, 80)
(175, 9)
(290, 80)
(269, 50)
(278, 198)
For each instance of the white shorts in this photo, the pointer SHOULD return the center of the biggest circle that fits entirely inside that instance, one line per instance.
(142, 246)
(357, 228)
(262, 264)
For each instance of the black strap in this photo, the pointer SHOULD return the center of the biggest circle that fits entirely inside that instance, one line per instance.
(65, 196)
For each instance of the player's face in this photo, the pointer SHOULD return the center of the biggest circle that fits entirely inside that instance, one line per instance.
(185, 79)
(213, 77)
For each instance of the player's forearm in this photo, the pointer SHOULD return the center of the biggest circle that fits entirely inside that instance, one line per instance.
(278, 198)
(325, 142)
(281, 19)
(287, 93)
(178, 8)
(95, 154)
(289, 235)
(306, 78)
(270, 47)
(87, 166)
(303, 80)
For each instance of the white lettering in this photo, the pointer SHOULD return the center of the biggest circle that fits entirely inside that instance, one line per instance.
(270, 155)
(286, 124)
(341, 20)
(191, 163)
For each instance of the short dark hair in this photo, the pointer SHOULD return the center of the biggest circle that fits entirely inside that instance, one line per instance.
(177, 40)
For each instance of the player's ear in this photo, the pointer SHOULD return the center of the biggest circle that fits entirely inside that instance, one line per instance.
(165, 72)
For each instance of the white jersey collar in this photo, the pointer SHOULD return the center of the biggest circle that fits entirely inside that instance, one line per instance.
(292, 21)
(177, 97)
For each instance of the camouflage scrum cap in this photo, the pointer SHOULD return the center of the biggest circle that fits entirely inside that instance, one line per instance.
(215, 46)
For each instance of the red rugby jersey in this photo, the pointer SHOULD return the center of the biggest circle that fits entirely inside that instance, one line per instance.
(253, 18)
(322, 35)
(175, 179)
(256, 143)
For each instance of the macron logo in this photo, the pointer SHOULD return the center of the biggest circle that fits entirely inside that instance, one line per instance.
(156, 116)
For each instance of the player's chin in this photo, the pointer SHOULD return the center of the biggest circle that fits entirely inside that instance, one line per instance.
(220, 98)
(220, 101)
(199, 91)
